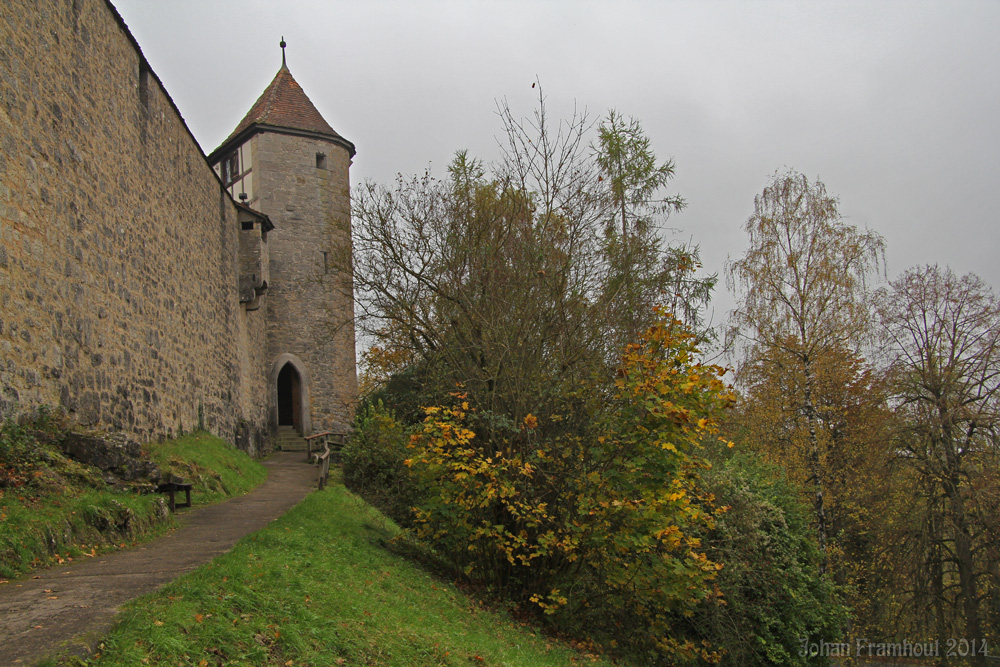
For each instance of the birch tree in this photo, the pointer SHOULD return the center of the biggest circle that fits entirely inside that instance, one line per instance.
(802, 287)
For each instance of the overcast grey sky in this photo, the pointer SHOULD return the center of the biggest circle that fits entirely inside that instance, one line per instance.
(895, 106)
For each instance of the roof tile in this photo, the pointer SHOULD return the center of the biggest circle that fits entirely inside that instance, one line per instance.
(284, 104)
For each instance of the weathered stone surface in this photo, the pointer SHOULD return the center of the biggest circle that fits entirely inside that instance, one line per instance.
(119, 250)
(131, 293)
(309, 304)
(294, 168)
(113, 453)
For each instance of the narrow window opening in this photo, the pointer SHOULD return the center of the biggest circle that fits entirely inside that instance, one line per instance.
(144, 85)
(321, 160)
(231, 168)
(326, 262)
(246, 226)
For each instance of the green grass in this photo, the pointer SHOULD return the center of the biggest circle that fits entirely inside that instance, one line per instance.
(216, 469)
(53, 509)
(42, 530)
(320, 587)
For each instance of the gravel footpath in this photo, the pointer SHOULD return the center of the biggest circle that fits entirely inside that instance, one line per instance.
(68, 608)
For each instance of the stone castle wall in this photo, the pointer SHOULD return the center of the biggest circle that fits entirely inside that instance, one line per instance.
(118, 248)
(310, 304)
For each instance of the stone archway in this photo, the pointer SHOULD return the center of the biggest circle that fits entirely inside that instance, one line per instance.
(289, 387)
(289, 397)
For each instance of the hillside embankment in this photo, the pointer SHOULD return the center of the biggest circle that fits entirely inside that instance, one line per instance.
(66, 495)
(66, 609)
(322, 584)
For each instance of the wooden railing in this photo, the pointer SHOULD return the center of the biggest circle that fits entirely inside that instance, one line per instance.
(332, 444)
(324, 466)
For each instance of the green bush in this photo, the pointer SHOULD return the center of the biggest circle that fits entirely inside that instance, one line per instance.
(373, 463)
(15, 455)
(24, 447)
(775, 597)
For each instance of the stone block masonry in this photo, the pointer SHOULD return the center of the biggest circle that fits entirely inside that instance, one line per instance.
(119, 250)
(310, 304)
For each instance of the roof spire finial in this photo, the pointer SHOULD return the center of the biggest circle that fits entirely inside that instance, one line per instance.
(282, 45)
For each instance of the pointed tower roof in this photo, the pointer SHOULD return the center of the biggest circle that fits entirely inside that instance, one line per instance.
(283, 107)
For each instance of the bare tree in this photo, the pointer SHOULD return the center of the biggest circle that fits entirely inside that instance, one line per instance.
(504, 277)
(944, 334)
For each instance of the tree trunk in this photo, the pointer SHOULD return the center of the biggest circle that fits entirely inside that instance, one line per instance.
(952, 484)
(966, 569)
(815, 462)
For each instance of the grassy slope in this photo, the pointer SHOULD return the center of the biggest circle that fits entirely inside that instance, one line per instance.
(319, 587)
(215, 468)
(64, 510)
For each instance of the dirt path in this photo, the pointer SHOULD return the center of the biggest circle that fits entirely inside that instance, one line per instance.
(68, 608)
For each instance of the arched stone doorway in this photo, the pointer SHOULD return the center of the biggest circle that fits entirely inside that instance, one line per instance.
(290, 397)
(289, 390)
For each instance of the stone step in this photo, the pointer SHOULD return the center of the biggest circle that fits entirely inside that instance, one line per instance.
(289, 440)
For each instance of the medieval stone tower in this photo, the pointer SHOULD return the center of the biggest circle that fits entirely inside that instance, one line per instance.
(284, 160)
(145, 287)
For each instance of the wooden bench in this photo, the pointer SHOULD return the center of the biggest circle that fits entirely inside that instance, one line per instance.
(172, 487)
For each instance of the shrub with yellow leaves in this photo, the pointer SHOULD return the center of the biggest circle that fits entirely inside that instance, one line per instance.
(587, 526)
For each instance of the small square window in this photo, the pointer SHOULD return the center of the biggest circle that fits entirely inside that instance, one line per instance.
(321, 160)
